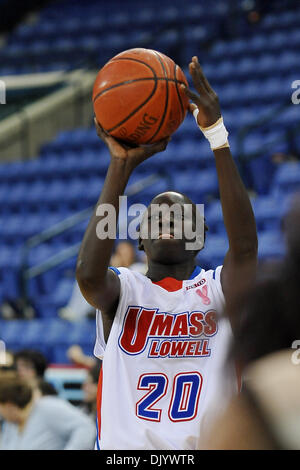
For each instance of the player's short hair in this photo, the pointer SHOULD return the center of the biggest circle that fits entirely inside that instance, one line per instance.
(16, 391)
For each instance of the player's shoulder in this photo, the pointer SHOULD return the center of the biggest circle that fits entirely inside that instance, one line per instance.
(129, 276)
(209, 274)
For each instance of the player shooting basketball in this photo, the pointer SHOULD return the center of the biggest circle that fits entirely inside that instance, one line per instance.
(163, 338)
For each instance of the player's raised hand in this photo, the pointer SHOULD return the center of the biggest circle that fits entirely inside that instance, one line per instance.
(133, 155)
(206, 100)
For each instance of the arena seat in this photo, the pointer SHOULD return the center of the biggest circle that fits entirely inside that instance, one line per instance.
(270, 245)
(287, 177)
(214, 218)
(267, 213)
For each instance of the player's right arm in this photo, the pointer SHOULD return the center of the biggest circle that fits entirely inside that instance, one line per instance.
(99, 285)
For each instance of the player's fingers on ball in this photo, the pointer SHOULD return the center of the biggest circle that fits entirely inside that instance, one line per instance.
(198, 72)
(99, 130)
(97, 125)
(193, 96)
(197, 77)
(192, 107)
(157, 147)
(203, 78)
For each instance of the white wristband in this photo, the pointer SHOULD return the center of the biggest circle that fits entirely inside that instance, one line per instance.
(216, 134)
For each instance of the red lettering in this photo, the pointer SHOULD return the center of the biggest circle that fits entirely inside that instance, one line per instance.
(165, 348)
(211, 323)
(190, 348)
(198, 350)
(178, 348)
(135, 329)
(196, 319)
(162, 325)
(180, 326)
(205, 351)
(153, 350)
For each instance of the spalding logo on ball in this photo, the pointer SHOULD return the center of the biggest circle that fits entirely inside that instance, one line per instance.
(137, 97)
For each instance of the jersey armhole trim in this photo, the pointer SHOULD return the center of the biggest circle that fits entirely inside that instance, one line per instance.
(115, 270)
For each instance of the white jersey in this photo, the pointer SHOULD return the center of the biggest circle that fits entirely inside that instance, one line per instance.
(162, 379)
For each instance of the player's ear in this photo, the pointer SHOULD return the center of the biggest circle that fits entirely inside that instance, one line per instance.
(140, 245)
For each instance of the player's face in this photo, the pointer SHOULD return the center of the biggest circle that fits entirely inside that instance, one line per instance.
(165, 227)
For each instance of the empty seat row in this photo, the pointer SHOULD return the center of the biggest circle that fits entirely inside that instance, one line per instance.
(46, 334)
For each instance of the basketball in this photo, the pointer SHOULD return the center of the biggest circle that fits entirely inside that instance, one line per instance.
(137, 96)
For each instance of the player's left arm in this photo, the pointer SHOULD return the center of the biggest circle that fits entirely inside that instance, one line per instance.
(240, 263)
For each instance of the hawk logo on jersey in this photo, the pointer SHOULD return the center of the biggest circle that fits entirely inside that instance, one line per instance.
(202, 291)
(174, 335)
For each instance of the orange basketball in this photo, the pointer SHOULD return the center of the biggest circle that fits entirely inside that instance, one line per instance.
(137, 96)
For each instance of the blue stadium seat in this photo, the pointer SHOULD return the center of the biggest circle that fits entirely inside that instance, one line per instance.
(287, 177)
(293, 38)
(277, 41)
(214, 251)
(13, 332)
(256, 44)
(270, 245)
(265, 64)
(267, 213)
(10, 271)
(214, 218)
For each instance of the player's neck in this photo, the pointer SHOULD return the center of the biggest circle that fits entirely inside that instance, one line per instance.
(181, 271)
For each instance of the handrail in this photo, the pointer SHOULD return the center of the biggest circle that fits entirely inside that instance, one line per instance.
(28, 273)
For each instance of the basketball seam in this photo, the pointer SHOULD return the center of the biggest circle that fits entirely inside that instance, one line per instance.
(135, 110)
(167, 100)
(156, 79)
(134, 60)
(136, 80)
(114, 86)
(178, 94)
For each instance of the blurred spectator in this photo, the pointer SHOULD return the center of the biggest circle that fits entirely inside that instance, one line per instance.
(89, 387)
(30, 365)
(124, 255)
(280, 157)
(45, 388)
(8, 363)
(77, 356)
(5, 372)
(17, 308)
(41, 423)
(266, 414)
